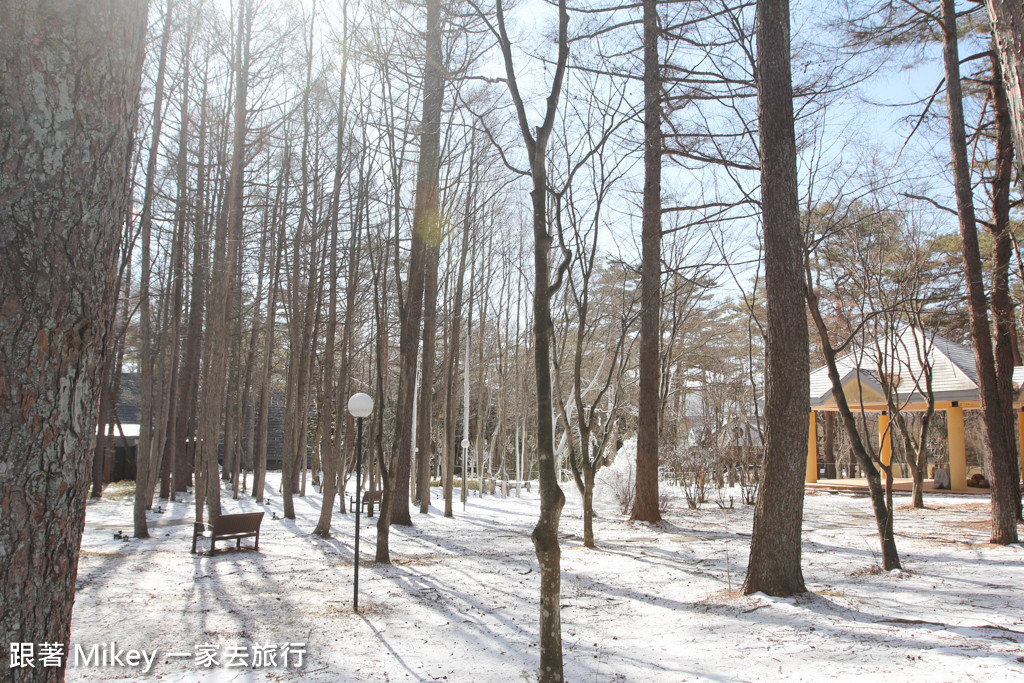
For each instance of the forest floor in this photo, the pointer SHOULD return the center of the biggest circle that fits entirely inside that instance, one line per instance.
(460, 601)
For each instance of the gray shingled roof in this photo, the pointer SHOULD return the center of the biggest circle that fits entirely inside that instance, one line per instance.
(954, 375)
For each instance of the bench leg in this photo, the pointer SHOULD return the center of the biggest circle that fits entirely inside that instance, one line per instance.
(197, 530)
(238, 544)
(257, 546)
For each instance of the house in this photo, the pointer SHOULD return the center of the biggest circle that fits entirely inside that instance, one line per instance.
(124, 431)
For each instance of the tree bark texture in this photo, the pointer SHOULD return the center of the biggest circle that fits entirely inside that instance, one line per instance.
(645, 500)
(1007, 18)
(425, 225)
(69, 84)
(774, 566)
(1002, 251)
(1000, 450)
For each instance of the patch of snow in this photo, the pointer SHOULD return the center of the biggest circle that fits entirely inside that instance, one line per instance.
(461, 600)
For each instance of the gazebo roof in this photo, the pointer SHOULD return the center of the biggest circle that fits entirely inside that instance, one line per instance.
(954, 376)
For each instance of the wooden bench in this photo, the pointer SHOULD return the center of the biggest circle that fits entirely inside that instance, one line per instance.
(230, 528)
(377, 496)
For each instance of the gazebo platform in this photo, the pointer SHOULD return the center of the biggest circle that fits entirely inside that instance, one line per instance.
(899, 485)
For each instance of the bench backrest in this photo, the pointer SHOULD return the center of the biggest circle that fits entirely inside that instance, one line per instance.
(377, 496)
(237, 524)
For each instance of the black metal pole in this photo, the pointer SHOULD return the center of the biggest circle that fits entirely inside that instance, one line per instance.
(359, 504)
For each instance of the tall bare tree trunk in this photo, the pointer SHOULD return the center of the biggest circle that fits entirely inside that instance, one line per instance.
(1002, 251)
(102, 440)
(451, 374)
(335, 409)
(829, 444)
(245, 413)
(225, 259)
(426, 400)
(545, 533)
(143, 480)
(881, 501)
(384, 467)
(263, 411)
(425, 225)
(186, 439)
(64, 192)
(173, 448)
(301, 319)
(645, 500)
(1000, 450)
(774, 566)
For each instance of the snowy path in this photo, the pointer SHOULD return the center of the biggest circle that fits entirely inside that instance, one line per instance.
(649, 604)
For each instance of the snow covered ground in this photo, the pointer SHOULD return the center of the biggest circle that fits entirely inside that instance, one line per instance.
(651, 603)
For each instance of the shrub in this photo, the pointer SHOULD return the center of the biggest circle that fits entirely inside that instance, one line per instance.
(473, 484)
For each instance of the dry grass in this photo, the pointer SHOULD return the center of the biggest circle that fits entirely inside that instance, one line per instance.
(119, 490)
(873, 570)
(724, 595)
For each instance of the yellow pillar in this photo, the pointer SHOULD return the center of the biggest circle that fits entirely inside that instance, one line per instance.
(884, 438)
(957, 452)
(811, 475)
(1020, 439)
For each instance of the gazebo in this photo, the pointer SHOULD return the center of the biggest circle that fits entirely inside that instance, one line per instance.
(954, 386)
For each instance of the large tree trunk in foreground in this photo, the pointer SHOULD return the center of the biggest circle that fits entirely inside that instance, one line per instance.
(1000, 449)
(64, 151)
(774, 566)
(645, 500)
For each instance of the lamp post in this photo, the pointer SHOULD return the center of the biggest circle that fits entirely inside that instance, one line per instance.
(465, 471)
(359, 406)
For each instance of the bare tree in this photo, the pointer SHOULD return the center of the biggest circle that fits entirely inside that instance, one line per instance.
(998, 455)
(144, 457)
(774, 566)
(645, 501)
(427, 221)
(224, 271)
(545, 533)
